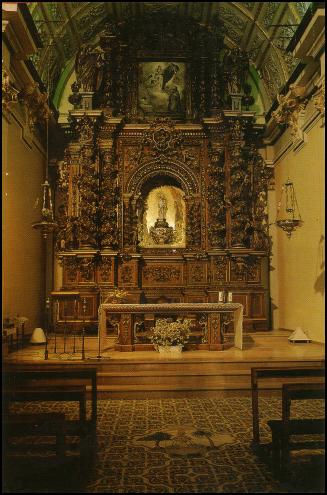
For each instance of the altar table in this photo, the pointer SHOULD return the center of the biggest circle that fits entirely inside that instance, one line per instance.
(213, 310)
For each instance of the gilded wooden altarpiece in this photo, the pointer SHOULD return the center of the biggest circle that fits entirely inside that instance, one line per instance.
(195, 161)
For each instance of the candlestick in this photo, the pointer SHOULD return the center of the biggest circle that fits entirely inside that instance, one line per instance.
(221, 296)
(47, 310)
(230, 297)
(83, 328)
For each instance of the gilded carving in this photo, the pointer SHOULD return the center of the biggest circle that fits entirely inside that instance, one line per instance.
(219, 269)
(216, 197)
(162, 273)
(238, 269)
(245, 269)
(162, 137)
(105, 268)
(86, 269)
(125, 329)
(71, 267)
(132, 156)
(85, 129)
(126, 274)
(193, 227)
(196, 273)
(214, 322)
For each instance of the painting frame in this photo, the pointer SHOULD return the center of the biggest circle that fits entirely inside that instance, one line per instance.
(162, 87)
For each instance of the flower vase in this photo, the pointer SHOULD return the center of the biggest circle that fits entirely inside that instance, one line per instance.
(170, 351)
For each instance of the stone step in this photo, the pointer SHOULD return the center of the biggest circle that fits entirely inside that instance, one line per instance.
(196, 367)
(187, 382)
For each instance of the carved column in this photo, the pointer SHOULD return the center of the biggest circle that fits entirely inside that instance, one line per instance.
(202, 86)
(214, 340)
(109, 190)
(193, 227)
(120, 80)
(216, 198)
(107, 43)
(126, 220)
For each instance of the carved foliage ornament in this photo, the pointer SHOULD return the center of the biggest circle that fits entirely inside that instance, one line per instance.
(244, 269)
(161, 273)
(220, 269)
(216, 195)
(290, 108)
(319, 99)
(9, 93)
(36, 104)
(161, 138)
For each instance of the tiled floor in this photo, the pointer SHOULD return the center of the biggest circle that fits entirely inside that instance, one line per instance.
(175, 446)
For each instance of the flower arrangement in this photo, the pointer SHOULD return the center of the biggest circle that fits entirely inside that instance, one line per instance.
(116, 296)
(170, 333)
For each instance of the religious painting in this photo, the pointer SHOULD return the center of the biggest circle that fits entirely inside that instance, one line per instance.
(161, 88)
(162, 218)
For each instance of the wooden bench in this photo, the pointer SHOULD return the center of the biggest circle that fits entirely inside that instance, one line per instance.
(24, 377)
(286, 427)
(276, 373)
(53, 393)
(39, 424)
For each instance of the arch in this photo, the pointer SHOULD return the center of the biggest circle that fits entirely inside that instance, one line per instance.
(169, 168)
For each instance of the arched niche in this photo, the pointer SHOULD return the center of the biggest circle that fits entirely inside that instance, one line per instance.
(171, 170)
(161, 213)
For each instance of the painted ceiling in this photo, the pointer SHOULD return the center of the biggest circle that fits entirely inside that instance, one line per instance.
(263, 29)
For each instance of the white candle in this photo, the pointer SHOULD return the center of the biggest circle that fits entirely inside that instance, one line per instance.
(221, 296)
(230, 297)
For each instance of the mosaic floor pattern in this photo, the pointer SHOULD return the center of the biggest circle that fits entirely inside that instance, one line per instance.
(186, 445)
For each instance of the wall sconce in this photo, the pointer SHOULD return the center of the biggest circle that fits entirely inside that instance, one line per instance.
(289, 217)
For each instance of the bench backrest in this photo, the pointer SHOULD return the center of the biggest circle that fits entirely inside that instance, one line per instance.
(294, 372)
(23, 374)
(299, 391)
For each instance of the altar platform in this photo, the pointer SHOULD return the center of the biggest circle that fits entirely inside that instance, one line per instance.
(146, 374)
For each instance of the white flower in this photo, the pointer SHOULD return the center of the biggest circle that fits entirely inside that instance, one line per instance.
(168, 333)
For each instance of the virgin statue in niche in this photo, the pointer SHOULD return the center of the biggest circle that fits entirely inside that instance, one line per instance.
(162, 218)
(162, 207)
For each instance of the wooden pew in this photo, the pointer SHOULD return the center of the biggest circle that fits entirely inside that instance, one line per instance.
(39, 424)
(23, 377)
(286, 374)
(284, 428)
(27, 393)
(53, 383)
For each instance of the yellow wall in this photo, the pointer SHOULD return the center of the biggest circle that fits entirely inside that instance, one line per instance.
(22, 249)
(297, 280)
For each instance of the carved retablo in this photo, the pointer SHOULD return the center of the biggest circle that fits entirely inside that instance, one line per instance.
(162, 189)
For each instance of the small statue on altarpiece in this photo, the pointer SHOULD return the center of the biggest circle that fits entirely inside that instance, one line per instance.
(89, 67)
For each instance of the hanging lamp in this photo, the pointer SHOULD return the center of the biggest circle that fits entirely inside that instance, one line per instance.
(289, 217)
(47, 224)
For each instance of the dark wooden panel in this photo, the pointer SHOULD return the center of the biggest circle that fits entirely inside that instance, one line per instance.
(257, 305)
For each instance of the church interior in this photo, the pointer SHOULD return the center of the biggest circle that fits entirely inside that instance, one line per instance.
(163, 247)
